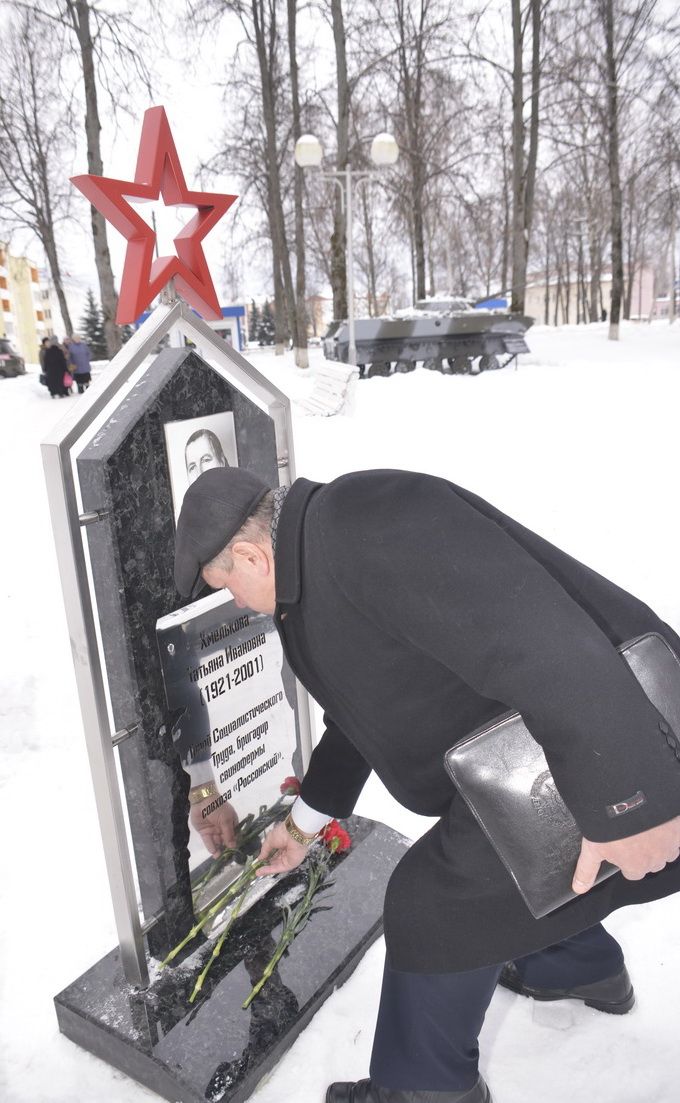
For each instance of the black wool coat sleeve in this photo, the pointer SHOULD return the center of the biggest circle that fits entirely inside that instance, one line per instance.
(336, 773)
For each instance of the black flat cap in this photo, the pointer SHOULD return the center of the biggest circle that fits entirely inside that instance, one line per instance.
(215, 507)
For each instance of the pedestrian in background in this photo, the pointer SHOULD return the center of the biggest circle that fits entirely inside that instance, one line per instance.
(56, 369)
(79, 358)
(41, 353)
(41, 356)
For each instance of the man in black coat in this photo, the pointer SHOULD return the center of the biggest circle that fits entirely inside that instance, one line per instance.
(413, 612)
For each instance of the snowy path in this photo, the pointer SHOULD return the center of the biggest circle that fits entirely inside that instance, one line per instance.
(581, 444)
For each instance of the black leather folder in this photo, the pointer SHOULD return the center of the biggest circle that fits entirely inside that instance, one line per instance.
(501, 772)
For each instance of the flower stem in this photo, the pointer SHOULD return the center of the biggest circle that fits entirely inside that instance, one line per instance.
(218, 946)
(269, 969)
(294, 923)
(238, 887)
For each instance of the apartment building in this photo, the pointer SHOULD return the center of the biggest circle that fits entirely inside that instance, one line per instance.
(26, 305)
(565, 300)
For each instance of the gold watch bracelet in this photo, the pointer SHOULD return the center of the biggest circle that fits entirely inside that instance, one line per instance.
(197, 793)
(300, 836)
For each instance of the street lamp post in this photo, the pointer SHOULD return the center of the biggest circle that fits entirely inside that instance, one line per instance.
(309, 154)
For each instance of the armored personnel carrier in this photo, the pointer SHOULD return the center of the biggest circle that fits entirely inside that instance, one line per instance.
(447, 335)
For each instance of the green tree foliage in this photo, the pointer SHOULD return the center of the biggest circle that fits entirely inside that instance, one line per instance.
(267, 328)
(254, 321)
(92, 328)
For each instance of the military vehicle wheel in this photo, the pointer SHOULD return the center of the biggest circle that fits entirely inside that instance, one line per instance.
(405, 365)
(379, 368)
(460, 365)
(434, 364)
(489, 363)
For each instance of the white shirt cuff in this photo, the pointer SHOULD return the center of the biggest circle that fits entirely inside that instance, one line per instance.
(200, 772)
(307, 819)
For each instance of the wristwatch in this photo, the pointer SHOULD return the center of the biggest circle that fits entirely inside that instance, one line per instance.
(295, 833)
(198, 793)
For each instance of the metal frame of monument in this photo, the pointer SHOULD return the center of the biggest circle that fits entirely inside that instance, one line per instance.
(173, 317)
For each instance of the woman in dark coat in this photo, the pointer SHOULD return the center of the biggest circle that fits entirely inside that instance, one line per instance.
(55, 366)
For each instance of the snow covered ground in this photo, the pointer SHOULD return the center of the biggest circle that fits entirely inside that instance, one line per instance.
(581, 444)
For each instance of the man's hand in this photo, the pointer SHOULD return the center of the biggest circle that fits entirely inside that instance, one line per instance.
(635, 856)
(218, 829)
(289, 853)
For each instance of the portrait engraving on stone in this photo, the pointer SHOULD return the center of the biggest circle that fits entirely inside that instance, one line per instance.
(196, 445)
(234, 720)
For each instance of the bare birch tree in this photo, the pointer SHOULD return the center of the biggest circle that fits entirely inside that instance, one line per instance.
(36, 141)
(263, 27)
(107, 43)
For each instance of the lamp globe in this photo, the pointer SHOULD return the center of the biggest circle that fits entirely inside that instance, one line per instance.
(308, 151)
(384, 149)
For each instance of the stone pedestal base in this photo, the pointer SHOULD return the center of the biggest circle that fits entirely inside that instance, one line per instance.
(212, 1050)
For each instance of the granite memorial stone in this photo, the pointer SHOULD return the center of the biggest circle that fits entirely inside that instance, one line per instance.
(198, 696)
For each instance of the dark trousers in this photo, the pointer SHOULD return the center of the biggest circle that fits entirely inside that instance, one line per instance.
(426, 1037)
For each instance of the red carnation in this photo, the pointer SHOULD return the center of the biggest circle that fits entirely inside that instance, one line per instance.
(336, 838)
(290, 786)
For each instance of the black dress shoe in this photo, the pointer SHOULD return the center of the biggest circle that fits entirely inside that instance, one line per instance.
(613, 995)
(363, 1091)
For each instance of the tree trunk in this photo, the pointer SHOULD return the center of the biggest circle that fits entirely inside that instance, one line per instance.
(614, 170)
(595, 273)
(412, 75)
(301, 353)
(449, 264)
(546, 300)
(505, 255)
(518, 248)
(49, 245)
(671, 295)
(532, 159)
(412, 252)
(628, 289)
(265, 43)
(339, 235)
(430, 267)
(567, 283)
(79, 11)
(523, 175)
(370, 255)
(581, 297)
(280, 326)
(418, 232)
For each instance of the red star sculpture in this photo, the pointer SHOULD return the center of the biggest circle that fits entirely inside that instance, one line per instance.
(158, 172)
